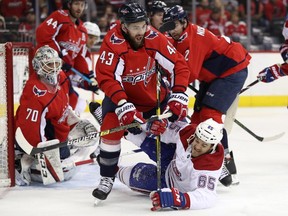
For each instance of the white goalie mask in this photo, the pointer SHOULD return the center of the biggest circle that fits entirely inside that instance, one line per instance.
(47, 64)
(210, 132)
(93, 29)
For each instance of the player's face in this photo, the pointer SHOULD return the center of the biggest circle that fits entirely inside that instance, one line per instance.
(177, 31)
(156, 19)
(199, 147)
(135, 32)
(77, 8)
(91, 40)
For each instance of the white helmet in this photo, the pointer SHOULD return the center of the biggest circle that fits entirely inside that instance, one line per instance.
(92, 29)
(210, 131)
(47, 64)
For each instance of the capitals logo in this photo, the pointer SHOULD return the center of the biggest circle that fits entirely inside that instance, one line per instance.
(183, 37)
(115, 40)
(151, 35)
(38, 92)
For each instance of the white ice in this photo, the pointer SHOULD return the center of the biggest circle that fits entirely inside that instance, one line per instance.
(262, 170)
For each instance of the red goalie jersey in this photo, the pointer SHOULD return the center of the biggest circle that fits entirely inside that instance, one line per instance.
(43, 115)
(124, 73)
(59, 32)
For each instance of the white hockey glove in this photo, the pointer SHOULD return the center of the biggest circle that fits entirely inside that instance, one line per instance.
(82, 128)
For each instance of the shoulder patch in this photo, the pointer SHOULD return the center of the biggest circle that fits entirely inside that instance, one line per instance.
(63, 12)
(151, 35)
(38, 92)
(116, 40)
(183, 37)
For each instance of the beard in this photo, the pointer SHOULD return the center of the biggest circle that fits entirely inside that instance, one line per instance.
(133, 43)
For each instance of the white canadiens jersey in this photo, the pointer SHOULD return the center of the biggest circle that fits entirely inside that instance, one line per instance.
(197, 176)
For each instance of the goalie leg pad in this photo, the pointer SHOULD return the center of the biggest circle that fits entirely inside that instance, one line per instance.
(50, 165)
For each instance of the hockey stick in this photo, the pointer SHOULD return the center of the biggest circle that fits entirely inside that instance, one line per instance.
(81, 75)
(249, 86)
(158, 138)
(259, 138)
(94, 160)
(29, 149)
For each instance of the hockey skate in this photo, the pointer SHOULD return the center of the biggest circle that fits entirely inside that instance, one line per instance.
(103, 189)
(230, 165)
(225, 177)
(96, 110)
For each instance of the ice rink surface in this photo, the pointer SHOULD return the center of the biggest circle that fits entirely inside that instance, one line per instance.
(262, 170)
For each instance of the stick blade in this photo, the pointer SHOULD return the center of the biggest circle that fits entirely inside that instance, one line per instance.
(272, 138)
(167, 26)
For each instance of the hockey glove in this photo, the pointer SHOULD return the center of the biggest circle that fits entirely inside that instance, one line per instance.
(81, 129)
(93, 85)
(67, 60)
(169, 198)
(271, 73)
(178, 105)
(128, 114)
(157, 127)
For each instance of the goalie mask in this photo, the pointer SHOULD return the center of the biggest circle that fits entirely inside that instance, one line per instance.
(47, 65)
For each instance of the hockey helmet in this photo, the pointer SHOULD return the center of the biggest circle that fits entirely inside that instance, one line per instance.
(132, 13)
(157, 6)
(92, 29)
(210, 131)
(171, 15)
(47, 64)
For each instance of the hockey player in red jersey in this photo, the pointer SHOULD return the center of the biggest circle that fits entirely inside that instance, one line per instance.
(63, 30)
(217, 62)
(156, 11)
(126, 73)
(191, 161)
(45, 117)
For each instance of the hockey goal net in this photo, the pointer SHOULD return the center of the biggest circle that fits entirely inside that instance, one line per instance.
(15, 65)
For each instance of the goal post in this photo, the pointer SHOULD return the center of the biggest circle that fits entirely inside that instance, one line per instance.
(15, 66)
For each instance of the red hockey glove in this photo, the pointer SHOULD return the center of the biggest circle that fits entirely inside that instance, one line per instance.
(178, 105)
(157, 127)
(128, 114)
(67, 60)
(271, 73)
(169, 198)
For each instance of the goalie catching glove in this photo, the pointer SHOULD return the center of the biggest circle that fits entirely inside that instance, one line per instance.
(127, 114)
(81, 129)
(271, 73)
(178, 105)
(169, 198)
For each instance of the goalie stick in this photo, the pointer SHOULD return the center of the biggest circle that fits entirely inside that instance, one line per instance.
(93, 159)
(259, 138)
(29, 149)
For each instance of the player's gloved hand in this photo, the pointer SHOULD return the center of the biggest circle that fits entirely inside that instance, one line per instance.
(271, 73)
(169, 198)
(178, 105)
(93, 85)
(157, 127)
(127, 114)
(68, 62)
(82, 128)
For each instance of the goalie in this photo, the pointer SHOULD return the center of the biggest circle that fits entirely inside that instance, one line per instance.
(45, 118)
